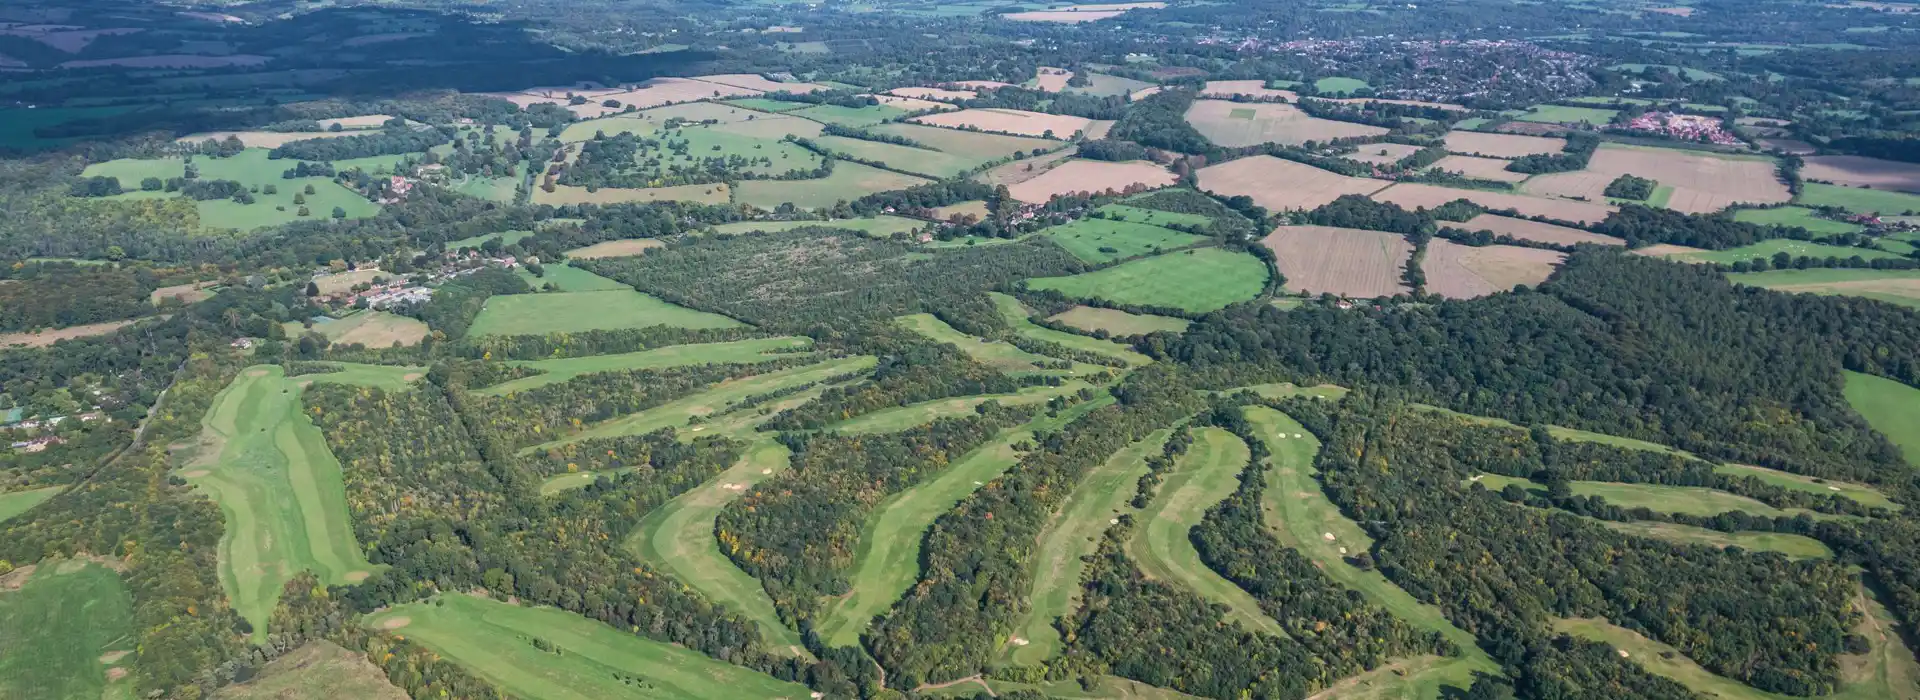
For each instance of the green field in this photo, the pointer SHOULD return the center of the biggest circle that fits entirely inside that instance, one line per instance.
(907, 158)
(374, 329)
(1690, 73)
(875, 226)
(251, 167)
(1858, 200)
(849, 116)
(1556, 114)
(1016, 316)
(62, 630)
(1794, 546)
(849, 181)
(974, 144)
(1684, 500)
(1153, 216)
(1118, 323)
(678, 537)
(1793, 216)
(1339, 86)
(17, 502)
(563, 369)
(896, 419)
(998, 354)
(506, 238)
(1196, 280)
(567, 278)
(280, 488)
(1299, 514)
(764, 104)
(1892, 286)
(1865, 495)
(1204, 476)
(567, 312)
(1105, 240)
(1103, 494)
(494, 641)
(318, 669)
(888, 561)
(1110, 85)
(1768, 248)
(1889, 407)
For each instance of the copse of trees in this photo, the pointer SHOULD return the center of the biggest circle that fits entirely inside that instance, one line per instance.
(392, 141)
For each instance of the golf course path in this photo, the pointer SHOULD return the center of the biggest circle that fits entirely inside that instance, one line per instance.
(679, 537)
(1204, 476)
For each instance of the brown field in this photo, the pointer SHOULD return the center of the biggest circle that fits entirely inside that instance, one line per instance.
(1464, 272)
(911, 104)
(653, 93)
(1702, 183)
(1090, 176)
(1535, 231)
(1098, 128)
(698, 112)
(614, 249)
(1410, 103)
(374, 329)
(265, 139)
(979, 84)
(172, 61)
(750, 81)
(1019, 171)
(365, 121)
(849, 181)
(1009, 121)
(1411, 195)
(343, 282)
(1501, 145)
(564, 194)
(976, 208)
(1116, 322)
(1794, 146)
(1080, 13)
(186, 293)
(46, 338)
(929, 93)
(1479, 168)
(1251, 88)
(1860, 171)
(1235, 124)
(1662, 250)
(1282, 184)
(1383, 153)
(976, 144)
(1052, 79)
(1345, 261)
(1144, 93)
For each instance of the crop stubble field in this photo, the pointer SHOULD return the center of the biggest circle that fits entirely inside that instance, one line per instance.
(1235, 124)
(1343, 261)
(1479, 168)
(1463, 272)
(1701, 182)
(1281, 184)
(1529, 230)
(1414, 195)
(1090, 176)
(1010, 121)
(1474, 143)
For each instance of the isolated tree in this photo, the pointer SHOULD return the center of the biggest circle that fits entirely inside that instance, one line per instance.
(339, 213)
(313, 290)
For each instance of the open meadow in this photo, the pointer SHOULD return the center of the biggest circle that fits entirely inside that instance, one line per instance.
(589, 661)
(1794, 216)
(1794, 546)
(565, 312)
(974, 144)
(1561, 114)
(319, 669)
(14, 503)
(567, 194)
(1889, 407)
(1892, 286)
(1382, 153)
(1280, 184)
(374, 329)
(1118, 323)
(998, 354)
(1773, 246)
(567, 278)
(1235, 124)
(1528, 230)
(1343, 261)
(1702, 182)
(1859, 200)
(679, 413)
(65, 632)
(1105, 240)
(1196, 281)
(848, 182)
(855, 117)
(875, 227)
(252, 168)
(920, 161)
(1464, 272)
(1020, 319)
(1091, 176)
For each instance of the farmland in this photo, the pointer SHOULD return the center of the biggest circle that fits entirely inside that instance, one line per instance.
(1475, 143)
(1118, 323)
(1888, 406)
(914, 160)
(374, 329)
(1794, 216)
(1859, 171)
(563, 369)
(1771, 247)
(1195, 281)
(563, 312)
(1859, 200)
(567, 278)
(567, 194)
(1091, 176)
(1383, 153)
(66, 633)
(849, 116)
(1479, 168)
(967, 143)
(1527, 230)
(250, 167)
(1339, 86)
(1701, 183)
(1465, 272)
(849, 181)
(1019, 318)
(1347, 262)
(1892, 286)
(1010, 121)
(494, 640)
(1122, 212)
(1561, 114)
(614, 249)
(1105, 240)
(1412, 195)
(1246, 124)
(1282, 184)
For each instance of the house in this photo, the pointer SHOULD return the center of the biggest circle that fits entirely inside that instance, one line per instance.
(38, 444)
(242, 343)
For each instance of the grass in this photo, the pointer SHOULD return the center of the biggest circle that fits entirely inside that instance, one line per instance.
(908, 158)
(848, 182)
(17, 502)
(1889, 407)
(563, 369)
(1683, 500)
(1794, 216)
(1103, 494)
(1892, 286)
(677, 413)
(493, 640)
(567, 278)
(1105, 240)
(1202, 477)
(849, 116)
(997, 354)
(888, 561)
(374, 329)
(1153, 216)
(506, 238)
(1858, 200)
(1556, 114)
(319, 669)
(1794, 546)
(1197, 281)
(280, 488)
(1017, 316)
(59, 630)
(566, 312)
(251, 167)
(1768, 248)
(1339, 86)
(765, 105)
(893, 420)
(1863, 494)
(1299, 514)
(874, 226)
(1118, 323)
(1690, 73)
(678, 537)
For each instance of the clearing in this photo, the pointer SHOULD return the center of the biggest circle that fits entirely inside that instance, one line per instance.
(493, 640)
(566, 312)
(374, 329)
(1118, 323)
(1892, 286)
(59, 630)
(1091, 176)
(567, 278)
(1020, 318)
(563, 369)
(1686, 500)
(1010, 121)
(16, 502)
(1476, 143)
(1344, 261)
(848, 182)
(1702, 182)
(1774, 246)
(1204, 476)
(318, 670)
(998, 354)
(1196, 281)
(1236, 124)
(1105, 240)
(1280, 184)
(614, 249)
(1465, 272)
(1382, 153)
(899, 418)
(1479, 168)
(1794, 546)
(1861, 171)
(1528, 230)
(1888, 407)
(1413, 195)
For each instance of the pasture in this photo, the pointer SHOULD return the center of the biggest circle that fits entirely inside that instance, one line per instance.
(976, 209)
(1343, 261)
(920, 161)
(1861, 171)
(1235, 124)
(1702, 182)
(678, 537)
(1339, 86)
(1118, 323)
(1479, 168)
(566, 194)
(318, 669)
(1794, 546)
(1091, 176)
(1122, 212)
(1105, 240)
(679, 412)
(1025, 169)
(888, 560)
(1773, 246)
(1201, 478)
(849, 181)
(494, 640)
(1197, 281)
(1250, 88)
(250, 167)
(1859, 200)
(875, 227)
(563, 369)
(765, 105)
(1280, 185)
(567, 278)
(1413, 195)
(1561, 114)
(1475, 143)
(934, 93)
(1464, 272)
(1889, 407)
(262, 460)
(855, 117)
(1528, 230)
(16, 502)
(506, 238)
(1010, 121)
(566, 312)
(1794, 216)
(614, 249)
(66, 633)
(967, 143)
(1020, 319)
(1892, 286)
(374, 329)
(1298, 514)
